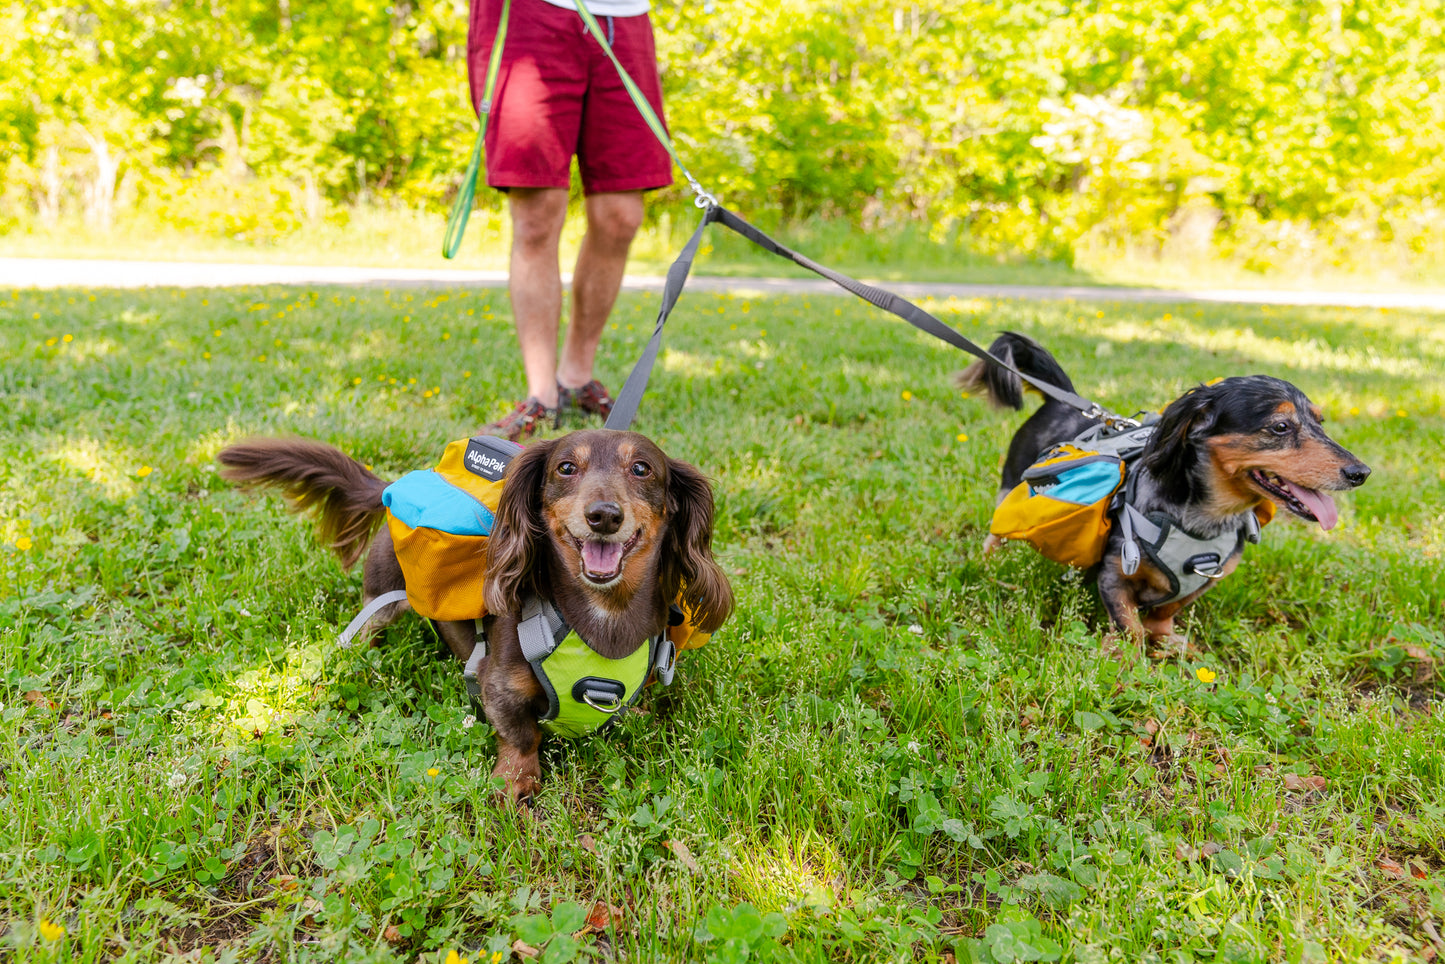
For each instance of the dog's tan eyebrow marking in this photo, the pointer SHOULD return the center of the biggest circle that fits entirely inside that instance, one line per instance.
(1286, 409)
(577, 453)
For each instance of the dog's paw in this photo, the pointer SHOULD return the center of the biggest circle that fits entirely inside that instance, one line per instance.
(520, 790)
(1120, 647)
(1171, 646)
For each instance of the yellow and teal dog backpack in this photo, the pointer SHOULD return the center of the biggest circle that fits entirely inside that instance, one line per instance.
(1063, 507)
(440, 520)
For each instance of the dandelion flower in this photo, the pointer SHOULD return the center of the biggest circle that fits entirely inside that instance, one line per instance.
(907, 396)
(50, 930)
(1400, 412)
(144, 470)
(23, 543)
(1205, 675)
(454, 958)
(356, 380)
(433, 772)
(68, 338)
(961, 437)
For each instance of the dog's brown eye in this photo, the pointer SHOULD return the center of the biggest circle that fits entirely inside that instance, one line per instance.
(641, 469)
(1280, 428)
(566, 468)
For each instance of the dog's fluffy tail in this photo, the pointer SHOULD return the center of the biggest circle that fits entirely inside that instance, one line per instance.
(341, 493)
(1003, 388)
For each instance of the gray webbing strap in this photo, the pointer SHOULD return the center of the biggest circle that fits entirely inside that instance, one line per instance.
(473, 667)
(368, 611)
(624, 410)
(538, 629)
(1136, 526)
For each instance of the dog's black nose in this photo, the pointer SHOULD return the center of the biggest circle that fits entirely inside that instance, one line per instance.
(1356, 474)
(605, 518)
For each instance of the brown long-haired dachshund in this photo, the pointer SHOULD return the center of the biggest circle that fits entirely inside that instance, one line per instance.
(599, 522)
(1217, 452)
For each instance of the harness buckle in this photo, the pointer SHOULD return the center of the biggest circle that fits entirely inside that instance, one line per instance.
(666, 662)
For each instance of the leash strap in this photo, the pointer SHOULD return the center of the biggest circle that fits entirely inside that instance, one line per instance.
(367, 611)
(624, 409)
(903, 308)
(467, 192)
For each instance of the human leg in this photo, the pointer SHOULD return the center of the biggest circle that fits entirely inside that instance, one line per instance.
(535, 284)
(612, 223)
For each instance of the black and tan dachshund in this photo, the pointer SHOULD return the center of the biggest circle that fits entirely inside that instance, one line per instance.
(600, 522)
(1216, 453)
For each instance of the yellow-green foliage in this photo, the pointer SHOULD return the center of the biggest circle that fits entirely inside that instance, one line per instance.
(1269, 130)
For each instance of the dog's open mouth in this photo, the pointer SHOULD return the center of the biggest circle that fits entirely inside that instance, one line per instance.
(602, 560)
(1309, 504)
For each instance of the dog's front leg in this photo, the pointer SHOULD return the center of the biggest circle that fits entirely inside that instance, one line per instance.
(510, 693)
(1119, 601)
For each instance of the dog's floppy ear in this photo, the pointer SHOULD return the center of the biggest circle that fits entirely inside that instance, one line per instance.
(513, 558)
(1171, 454)
(687, 561)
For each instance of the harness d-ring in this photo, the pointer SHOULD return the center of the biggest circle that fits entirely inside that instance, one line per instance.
(616, 704)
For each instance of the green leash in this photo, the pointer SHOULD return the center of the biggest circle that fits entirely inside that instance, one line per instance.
(703, 198)
(467, 193)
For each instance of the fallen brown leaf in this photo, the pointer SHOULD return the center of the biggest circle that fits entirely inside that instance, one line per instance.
(683, 855)
(391, 935)
(37, 698)
(1151, 726)
(1184, 852)
(1391, 868)
(286, 882)
(1210, 848)
(525, 950)
(588, 843)
(599, 918)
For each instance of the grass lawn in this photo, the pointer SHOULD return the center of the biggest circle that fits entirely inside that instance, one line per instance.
(895, 750)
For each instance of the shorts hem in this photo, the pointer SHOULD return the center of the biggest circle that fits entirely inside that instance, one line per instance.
(626, 184)
(509, 183)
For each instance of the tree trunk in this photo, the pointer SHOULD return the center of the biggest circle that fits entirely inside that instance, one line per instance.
(100, 189)
(47, 197)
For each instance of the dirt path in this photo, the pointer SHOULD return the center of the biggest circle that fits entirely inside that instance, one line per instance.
(60, 273)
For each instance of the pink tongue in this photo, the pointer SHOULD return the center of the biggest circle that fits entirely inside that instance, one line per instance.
(1317, 502)
(601, 558)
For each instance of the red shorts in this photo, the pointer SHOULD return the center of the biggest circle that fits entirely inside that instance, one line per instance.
(558, 95)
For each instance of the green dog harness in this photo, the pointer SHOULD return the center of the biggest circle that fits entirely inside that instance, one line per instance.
(585, 690)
